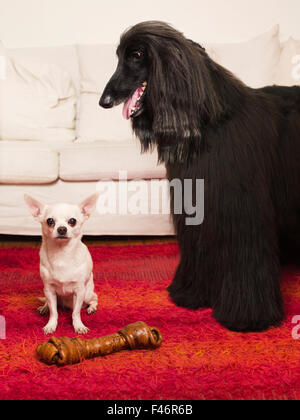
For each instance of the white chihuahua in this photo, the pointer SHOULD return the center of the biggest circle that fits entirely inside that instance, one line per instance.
(66, 266)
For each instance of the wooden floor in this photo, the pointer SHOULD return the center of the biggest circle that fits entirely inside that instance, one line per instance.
(7, 241)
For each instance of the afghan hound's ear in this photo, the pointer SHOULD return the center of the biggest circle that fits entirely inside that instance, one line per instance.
(168, 94)
(181, 92)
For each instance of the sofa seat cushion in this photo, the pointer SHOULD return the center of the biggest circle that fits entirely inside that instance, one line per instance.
(104, 160)
(27, 163)
(16, 219)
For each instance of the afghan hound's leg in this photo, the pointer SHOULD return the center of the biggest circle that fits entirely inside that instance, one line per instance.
(249, 294)
(290, 248)
(191, 286)
(185, 292)
(231, 263)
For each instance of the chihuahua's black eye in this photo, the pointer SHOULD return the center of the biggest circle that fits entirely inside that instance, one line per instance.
(50, 222)
(72, 222)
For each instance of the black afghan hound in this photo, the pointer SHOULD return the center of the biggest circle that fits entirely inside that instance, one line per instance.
(244, 143)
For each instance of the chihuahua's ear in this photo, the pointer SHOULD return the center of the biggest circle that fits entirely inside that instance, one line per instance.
(34, 205)
(87, 206)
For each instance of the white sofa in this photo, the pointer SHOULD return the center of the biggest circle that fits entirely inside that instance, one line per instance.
(56, 143)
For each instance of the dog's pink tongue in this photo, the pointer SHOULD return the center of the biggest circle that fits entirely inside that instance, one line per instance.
(130, 104)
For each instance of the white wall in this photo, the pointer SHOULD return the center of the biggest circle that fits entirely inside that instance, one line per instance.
(57, 22)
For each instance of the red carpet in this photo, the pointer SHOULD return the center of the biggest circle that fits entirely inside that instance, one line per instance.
(198, 359)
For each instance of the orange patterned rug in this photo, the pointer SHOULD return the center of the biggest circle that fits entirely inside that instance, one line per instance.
(198, 359)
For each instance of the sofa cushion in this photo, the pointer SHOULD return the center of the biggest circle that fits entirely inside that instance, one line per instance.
(95, 123)
(288, 70)
(2, 62)
(97, 64)
(36, 102)
(27, 163)
(254, 61)
(65, 57)
(103, 161)
(16, 219)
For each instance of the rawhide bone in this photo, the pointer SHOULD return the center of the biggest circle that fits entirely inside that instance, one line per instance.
(66, 351)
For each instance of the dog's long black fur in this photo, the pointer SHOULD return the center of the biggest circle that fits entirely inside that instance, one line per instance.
(245, 144)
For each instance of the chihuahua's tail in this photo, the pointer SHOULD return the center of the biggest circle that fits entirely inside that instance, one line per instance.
(42, 299)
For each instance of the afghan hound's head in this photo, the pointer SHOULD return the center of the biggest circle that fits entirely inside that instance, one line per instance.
(167, 82)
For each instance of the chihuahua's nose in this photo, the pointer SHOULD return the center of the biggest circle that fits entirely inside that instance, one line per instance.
(62, 230)
(106, 101)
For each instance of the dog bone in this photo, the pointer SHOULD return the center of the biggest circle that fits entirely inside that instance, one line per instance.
(66, 351)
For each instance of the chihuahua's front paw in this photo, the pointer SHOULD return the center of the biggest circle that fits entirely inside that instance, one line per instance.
(80, 328)
(91, 309)
(50, 328)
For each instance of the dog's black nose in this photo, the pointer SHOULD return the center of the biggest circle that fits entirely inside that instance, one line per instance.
(106, 101)
(62, 230)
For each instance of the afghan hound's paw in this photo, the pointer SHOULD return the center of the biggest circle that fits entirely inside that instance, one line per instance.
(91, 309)
(186, 299)
(248, 326)
(43, 310)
